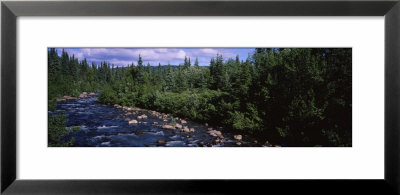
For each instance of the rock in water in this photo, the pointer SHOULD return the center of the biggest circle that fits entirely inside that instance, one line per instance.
(238, 143)
(237, 137)
(168, 127)
(179, 126)
(186, 129)
(215, 133)
(133, 122)
(191, 130)
(83, 95)
(161, 141)
(143, 116)
(183, 122)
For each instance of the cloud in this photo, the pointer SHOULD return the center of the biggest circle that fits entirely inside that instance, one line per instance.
(125, 56)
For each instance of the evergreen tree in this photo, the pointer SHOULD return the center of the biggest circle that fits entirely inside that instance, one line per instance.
(196, 62)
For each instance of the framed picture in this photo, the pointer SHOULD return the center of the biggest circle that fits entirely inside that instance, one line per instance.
(288, 99)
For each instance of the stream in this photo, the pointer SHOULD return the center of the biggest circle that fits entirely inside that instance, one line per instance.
(104, 125)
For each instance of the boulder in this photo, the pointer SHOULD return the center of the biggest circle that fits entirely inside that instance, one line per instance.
(92, 94)
(268, 144)
(155, 123)
(143, 116)
(67, 97)
(127, 119)
(215, 133)
(83, 95)
(206, 124)
(237, 137)
(238, 143)
(70, 98)
(133, 122)
(201, 144)
(183, 122)
(60, 99)
(161, 141)
(191, 130)
(165, 120)
(168, 127)
(179, 126)
(186, 129)
(154, 113)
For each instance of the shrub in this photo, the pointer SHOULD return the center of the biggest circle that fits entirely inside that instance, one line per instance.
(57, 131)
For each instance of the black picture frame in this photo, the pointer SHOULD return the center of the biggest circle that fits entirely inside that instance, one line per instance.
(10, 10)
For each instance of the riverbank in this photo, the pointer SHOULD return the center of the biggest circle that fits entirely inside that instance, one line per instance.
(181, 125)
(82, 95)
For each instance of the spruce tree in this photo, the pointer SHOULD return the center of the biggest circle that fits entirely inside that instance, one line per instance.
(196, 62)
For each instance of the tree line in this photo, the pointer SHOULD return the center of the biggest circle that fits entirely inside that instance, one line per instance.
(289, 96)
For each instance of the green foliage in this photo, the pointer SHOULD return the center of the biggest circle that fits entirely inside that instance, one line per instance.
(108, 95)
(69, 77)
(52, 105)
(57, 131)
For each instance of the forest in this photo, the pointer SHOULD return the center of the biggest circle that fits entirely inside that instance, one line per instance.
(292, 96)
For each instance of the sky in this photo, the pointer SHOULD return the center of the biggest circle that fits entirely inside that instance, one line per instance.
(174, 56)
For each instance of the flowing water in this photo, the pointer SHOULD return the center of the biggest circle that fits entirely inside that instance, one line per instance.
(104, 125)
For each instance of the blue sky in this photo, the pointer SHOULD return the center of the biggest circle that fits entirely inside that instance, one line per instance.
(175, 56)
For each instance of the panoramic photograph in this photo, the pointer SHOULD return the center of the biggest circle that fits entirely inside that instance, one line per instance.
(199, 97)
